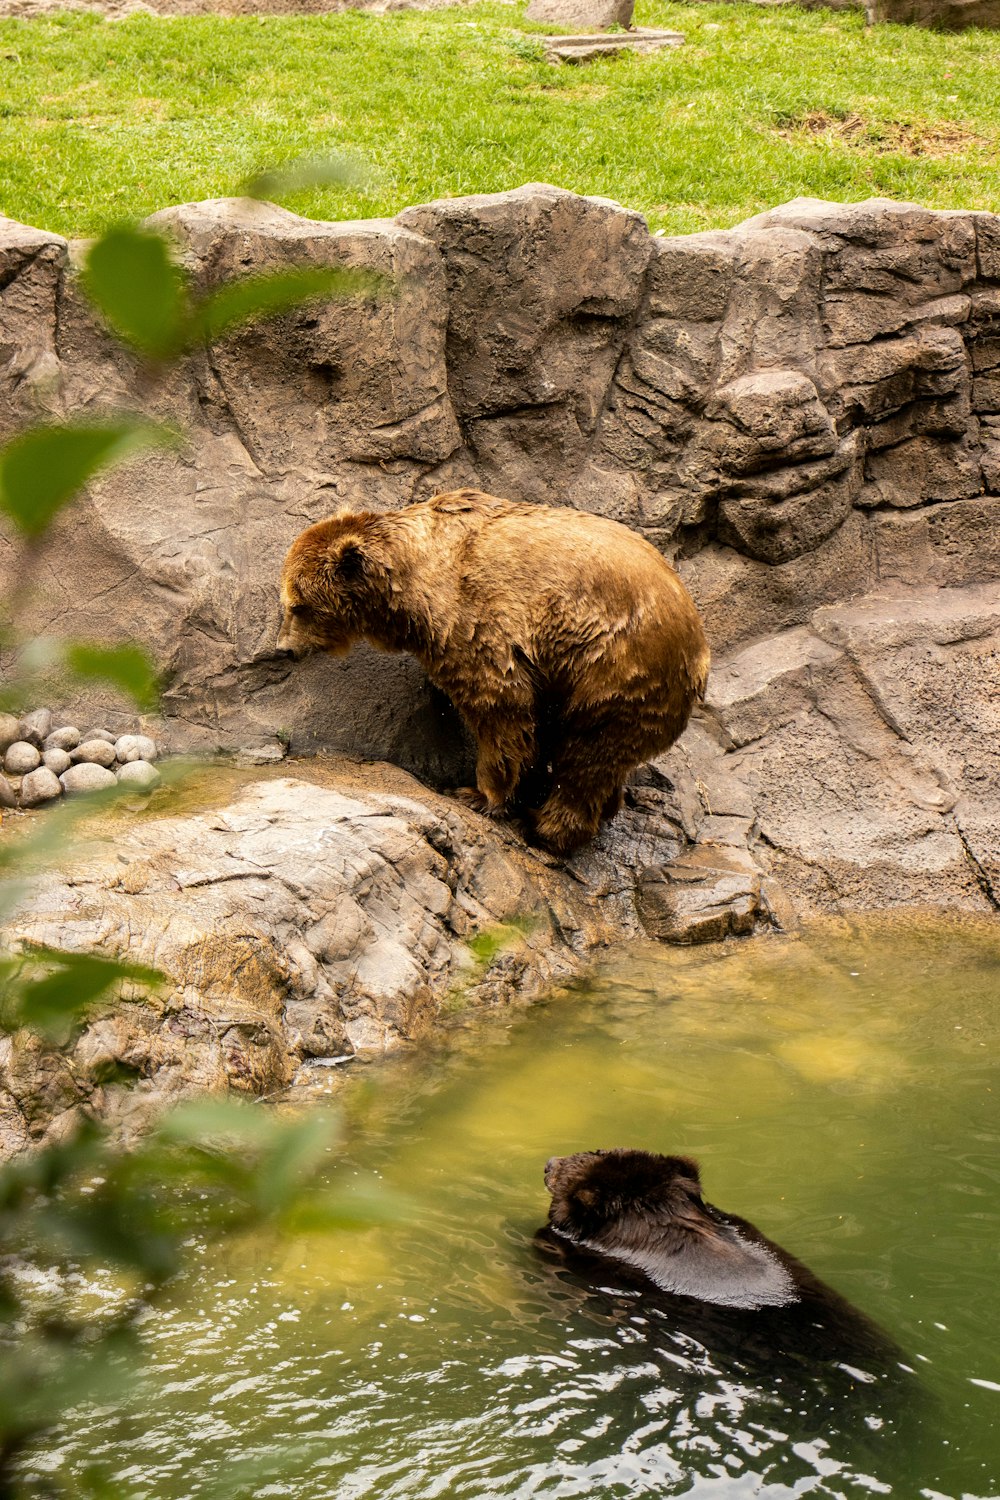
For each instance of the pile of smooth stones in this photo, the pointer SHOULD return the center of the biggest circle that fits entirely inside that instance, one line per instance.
(43, 761)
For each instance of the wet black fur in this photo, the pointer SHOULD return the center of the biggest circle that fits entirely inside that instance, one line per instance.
(658, 1201)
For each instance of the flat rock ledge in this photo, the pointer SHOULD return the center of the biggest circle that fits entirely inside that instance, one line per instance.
(588, 45)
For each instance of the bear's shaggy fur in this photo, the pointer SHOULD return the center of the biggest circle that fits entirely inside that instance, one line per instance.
(644, 1214)
(567, 643)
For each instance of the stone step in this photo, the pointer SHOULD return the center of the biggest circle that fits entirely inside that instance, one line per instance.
(584, 48)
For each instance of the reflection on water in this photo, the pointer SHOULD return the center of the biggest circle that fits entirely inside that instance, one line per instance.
(840, 1092)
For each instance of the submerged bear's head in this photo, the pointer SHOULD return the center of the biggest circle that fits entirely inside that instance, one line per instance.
(325, 585)
(597, 1195)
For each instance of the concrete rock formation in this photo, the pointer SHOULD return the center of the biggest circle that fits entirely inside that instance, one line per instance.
(803, 411)
(939, 15)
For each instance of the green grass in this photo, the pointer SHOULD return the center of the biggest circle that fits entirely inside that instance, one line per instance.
(101, 120)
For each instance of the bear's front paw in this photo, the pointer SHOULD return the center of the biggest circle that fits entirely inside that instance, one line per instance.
(471, 796)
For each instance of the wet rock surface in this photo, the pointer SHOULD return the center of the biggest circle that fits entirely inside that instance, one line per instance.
(318, 915)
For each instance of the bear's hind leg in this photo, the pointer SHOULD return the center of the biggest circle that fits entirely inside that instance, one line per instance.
(586, 790)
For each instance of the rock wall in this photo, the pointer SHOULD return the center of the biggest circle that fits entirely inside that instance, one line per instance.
(804, 412)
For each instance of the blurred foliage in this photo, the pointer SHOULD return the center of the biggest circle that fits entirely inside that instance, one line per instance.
(79, 1204)
(148, 300)
(45, 467)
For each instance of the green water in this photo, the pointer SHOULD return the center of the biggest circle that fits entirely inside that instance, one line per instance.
(840, 1091)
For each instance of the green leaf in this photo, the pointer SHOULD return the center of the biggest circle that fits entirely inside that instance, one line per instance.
(306, 172)
(130, 277)
(219, 1125)
(43, 468)
(362, 1204)
(265, 296)
(74, 981)
(126, 667)
(293, 1156)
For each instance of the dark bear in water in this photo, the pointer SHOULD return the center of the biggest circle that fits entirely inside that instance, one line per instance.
(636, 1220)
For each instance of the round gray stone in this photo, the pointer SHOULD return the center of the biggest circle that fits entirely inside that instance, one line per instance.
(36, 725)
(66, 738)
(56, 760)
(22, 758)
(7, 794)
(138, 773)
(93, 752)
(40, 786)
(9, 732)
(135, 747)
(98, 734)
(87, 777)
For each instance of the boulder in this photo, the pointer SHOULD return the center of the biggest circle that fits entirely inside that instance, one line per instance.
(56, 760)
(96, 752)
(35, 726)
(596, 15)
(66, 738)
(20, 758)
(10, 730)
(135, 747)
(88, 776)
(938, 15)
(274, 957)
(40, 786)
(138, 773)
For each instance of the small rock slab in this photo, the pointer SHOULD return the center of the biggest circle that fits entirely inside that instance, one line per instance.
(708, 893)
(578, 49)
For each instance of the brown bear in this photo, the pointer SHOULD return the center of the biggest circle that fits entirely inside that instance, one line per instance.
(566, 642)
(644, 1215)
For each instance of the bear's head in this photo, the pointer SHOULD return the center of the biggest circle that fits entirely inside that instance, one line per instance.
(617, 1197)
(326, 585)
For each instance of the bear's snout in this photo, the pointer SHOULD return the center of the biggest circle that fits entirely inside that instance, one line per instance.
(290, 642)
(560, 1170)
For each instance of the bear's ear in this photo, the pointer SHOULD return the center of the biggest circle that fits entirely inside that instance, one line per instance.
(344, 563)
(351, 563)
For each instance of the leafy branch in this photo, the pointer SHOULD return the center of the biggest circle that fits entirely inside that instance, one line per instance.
(207, 1168)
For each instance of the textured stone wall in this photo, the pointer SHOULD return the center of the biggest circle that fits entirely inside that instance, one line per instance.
(803, 411)
(797, 409)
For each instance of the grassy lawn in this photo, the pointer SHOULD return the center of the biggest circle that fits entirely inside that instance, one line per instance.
(101, 120)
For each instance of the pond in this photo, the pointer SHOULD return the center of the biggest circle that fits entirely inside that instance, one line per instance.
(839, 1089)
